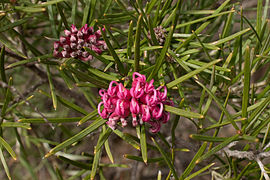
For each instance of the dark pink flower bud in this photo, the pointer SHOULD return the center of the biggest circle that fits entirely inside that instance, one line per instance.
(85, 54)
(92, 39)
(74, 29)
(57, 53)
(66, 47)
(113, 119)
(81, 41)
(67, 32)
(79, 46)
(123, 122)
(56, 45)
(73, 45)
(79, 34)
(84, 29)
(111, 124)
(96, 49)
(65, 54)
(79, 52)
(90, 30)
(73, 54)
(73, 38)
(62, 40)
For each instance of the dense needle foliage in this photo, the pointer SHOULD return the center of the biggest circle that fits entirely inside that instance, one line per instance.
(138, 89)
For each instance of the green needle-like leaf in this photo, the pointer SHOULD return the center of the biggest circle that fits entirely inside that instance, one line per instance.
(143, 144)
(191, 74)
(120, 66)
(8, 148)
(137, 45)
(93, 126)
(166, 158)
(182, 112)
(2, 65)
(245, 98)
(192, 164)
(199, 172)
(218, 147)
(53, 94)
(4, 163)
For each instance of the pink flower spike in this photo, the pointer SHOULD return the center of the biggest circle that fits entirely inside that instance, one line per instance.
(146, 116)
(162, 95)
(96, 49)
(112, 90)
(165, 117)
(151, 99)
(149, 86)
(102, 92)
(136, 91)
(140, 77)
(134, 107)
(123, 93)
(157, 111)
(122, 108)
(155, 126)
(104, 114)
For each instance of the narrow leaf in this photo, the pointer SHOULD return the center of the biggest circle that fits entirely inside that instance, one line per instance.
(96, 124)
(8, 148)
(137, 45)
(182, 112)
(143, 144)
(53, 95)
(191, 74)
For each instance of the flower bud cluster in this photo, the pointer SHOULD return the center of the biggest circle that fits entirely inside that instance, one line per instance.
(142, 101)
(71, 45)
(160, 34)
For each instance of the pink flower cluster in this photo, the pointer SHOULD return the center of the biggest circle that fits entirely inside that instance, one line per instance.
(72, 44)
(142, 101)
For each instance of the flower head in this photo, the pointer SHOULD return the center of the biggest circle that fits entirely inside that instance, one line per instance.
(71, 45)
(142, 101)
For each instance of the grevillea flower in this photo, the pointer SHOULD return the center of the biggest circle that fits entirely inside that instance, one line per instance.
(71, 45)
(142, 101)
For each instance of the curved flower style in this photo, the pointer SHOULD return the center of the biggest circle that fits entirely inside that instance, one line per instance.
(71, 45)
(142, 101)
